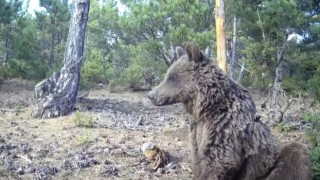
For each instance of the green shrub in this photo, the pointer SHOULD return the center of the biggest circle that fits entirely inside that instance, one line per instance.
(144, 62)
(257, 82)
(86, 138)
(83, 120)
(283, 127)
(116, 79)
(118, 84)
(314, 138)
(291, 85)
(93, 68)
(314, 84)
(124, 75)
(16, 68)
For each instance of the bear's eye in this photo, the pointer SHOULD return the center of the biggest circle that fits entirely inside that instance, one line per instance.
(171, 78)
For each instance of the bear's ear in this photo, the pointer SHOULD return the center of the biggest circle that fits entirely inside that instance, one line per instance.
(194, 53)
(180, 52)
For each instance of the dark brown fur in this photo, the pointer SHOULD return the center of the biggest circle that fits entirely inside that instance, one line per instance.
(228, 140)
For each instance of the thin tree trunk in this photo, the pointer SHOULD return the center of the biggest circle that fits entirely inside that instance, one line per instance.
(276, 110)
(51, 60)
(234, 43)
(221, 39)
(56, 96)
(7, 46)
(6, 52)
(241, 73)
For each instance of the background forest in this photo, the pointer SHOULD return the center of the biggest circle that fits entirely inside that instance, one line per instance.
(130, 43)
(122, 43)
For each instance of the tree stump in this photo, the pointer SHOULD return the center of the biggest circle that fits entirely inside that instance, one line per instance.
(56, 96)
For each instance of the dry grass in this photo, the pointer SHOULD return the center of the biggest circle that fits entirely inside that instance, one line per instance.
(69, 135)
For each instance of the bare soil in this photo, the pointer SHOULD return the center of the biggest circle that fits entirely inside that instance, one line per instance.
(122, 122)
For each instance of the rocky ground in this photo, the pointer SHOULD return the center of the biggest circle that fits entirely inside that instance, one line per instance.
(110, 149)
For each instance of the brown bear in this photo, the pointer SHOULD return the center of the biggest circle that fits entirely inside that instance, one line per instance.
(228, 140)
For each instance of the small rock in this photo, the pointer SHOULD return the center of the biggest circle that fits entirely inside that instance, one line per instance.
(122, 141)
(7, 146)
(106, 151)
(25, 147)
(104, 136)
(110, 171)
(20, 171)
(147, 146)
(34, 136)
(83, 164)
(133, 152)
(107, 162)
(30, 169)
(14, 123)
(66, 165)
(159, 172)
(41, 153)
(2, 140)
(45, 171)
(170, 166)
(95, 162)
(176, 139)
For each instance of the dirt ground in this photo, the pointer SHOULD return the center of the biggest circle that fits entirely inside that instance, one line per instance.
(122, 122)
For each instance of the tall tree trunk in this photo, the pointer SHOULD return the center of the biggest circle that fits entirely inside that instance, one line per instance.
(6, 52)
(7, 45)
(51, 60)
(56, 95)
(234, 43)
(221, 39)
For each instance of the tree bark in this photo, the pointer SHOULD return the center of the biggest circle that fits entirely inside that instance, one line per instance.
(51, 60)
(276, 110)
(56, 96)
(7, 45)
(234, 43)
(221, 39)
(241, 73)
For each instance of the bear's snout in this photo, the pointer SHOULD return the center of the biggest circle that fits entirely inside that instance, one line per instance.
(157, 99)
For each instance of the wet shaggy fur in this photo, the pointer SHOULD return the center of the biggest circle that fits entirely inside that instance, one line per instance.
(228, 140)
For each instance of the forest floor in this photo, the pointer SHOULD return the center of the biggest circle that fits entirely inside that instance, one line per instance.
(59, 149)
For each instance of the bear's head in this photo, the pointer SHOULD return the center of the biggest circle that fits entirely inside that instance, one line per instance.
(179, 84)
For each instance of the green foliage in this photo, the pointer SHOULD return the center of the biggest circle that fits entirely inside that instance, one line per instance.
(314, 138)
(258, 77)
(92, 70)
(17, 68)
(131, 75)
(86, 137)
(137, 41)
(143, 62)
(314, 83)
(283, 127)
(83, 120)
(18, 108)
(9, 10)
(291, 85)
(121, 44)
